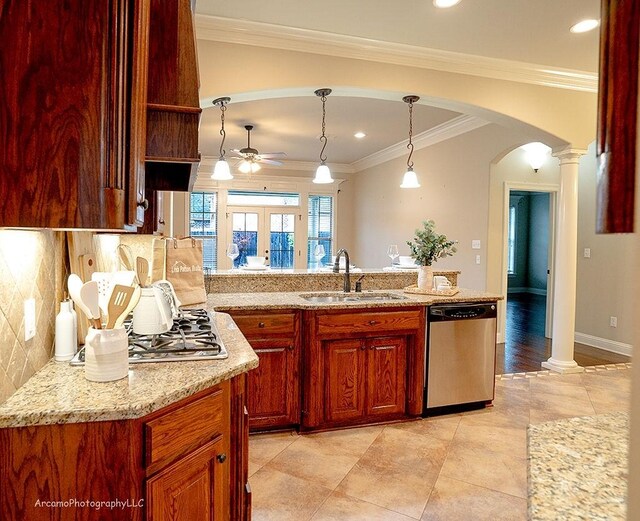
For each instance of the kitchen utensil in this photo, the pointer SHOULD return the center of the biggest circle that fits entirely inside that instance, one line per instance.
(89, 297)
(87, 266)
(74, 283)
(118, 303)
(133, 302)
(107, 280)
(152, 315)
(142, 270)
(126, 256)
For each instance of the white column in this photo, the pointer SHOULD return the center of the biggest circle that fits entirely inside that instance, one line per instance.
(565, 266)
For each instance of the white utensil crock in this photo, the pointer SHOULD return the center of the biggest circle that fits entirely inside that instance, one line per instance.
(106, 354)
(152, 315)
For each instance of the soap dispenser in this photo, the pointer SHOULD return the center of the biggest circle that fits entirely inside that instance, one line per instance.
(66, 342)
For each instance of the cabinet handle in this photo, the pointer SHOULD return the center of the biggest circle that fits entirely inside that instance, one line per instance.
(363, 347)
(160, 221)
(260, 324)
(221, 458)
(144, 204)
(291, 347)
(373, 322)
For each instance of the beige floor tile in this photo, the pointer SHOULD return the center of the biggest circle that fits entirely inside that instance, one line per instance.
(344, 508)
(493, 433)
(264, 447)
(399, 488)
(277, 496)
(353, 441)
(549, 407)
(442, 428)
(315, 460)
(612, 399)
(453, 500)
(498, 471)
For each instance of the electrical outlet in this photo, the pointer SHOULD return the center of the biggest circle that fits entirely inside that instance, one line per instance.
(613, 321)
(29, 319)
(477, 259)
(475, 244)
(587, 253)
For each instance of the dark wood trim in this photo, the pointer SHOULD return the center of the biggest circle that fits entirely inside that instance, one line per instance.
(173, 108)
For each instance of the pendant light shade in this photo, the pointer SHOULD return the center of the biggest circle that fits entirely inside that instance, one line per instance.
(248, 167)
(323, 174)
(410, 179)
(221, 171)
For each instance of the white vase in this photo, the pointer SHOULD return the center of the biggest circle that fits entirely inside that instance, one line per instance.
(425, 278)
(106, 355)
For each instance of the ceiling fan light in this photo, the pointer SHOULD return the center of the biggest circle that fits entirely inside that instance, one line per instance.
(410, 180)
(221, 172)
(255, 167)
(323, 175)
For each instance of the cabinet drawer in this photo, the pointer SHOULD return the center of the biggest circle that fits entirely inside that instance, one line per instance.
(184, 429)
(266, 324)
(370, 322)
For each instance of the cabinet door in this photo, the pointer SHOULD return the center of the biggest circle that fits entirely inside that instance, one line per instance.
(386, 375)
(273, 388)
(194, 488)
(345, 388)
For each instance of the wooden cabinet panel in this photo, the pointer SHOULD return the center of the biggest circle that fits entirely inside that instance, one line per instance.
(273, 387)
(180, 431)
(365, 323)
(345, 379)
(261, 325)
(193, 489)
(386, 375)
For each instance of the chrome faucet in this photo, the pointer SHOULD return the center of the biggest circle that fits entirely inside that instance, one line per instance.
(336, 269)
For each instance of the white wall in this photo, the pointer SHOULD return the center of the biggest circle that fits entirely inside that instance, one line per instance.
(538, 241)
(454, 175)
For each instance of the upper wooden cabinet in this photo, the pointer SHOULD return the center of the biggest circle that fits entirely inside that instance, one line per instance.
(173, 105)
(73, 125)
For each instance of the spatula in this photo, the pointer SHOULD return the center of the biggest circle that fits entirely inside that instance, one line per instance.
(74, 283)
(89, 296)
(126, 257)
(142, 269)
(118, 303)
(135, 298)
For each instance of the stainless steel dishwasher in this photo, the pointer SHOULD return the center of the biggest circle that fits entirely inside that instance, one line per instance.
(461, 354)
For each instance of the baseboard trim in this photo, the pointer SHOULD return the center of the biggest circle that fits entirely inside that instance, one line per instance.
(533, 291)
(604, 344)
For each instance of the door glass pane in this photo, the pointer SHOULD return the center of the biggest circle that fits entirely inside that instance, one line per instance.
(281, 240)
(202, 224)
(245, 235)
(320, 229)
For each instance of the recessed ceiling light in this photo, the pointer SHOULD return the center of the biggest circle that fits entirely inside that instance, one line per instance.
(359, 135)
(585, 25)
(445, 3)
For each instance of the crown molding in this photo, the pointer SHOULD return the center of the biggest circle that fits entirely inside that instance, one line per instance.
(447, 130)
(208, 163)
(230, 30)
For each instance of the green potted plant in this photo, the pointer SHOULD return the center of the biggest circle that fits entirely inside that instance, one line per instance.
(426, 248)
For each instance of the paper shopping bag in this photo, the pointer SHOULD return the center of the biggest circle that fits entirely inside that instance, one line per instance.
(184, 270)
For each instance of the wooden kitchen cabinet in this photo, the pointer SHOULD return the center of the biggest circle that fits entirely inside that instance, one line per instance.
(273, 388)
(362, 366)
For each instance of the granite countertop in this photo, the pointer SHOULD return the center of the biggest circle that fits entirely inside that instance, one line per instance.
(294, 300)
(59, 393)
(239, 272)
(578, 468)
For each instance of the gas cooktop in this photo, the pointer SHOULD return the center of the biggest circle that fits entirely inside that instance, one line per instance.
(193, 336)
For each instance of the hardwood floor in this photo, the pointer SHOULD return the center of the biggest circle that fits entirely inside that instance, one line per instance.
(526, 346)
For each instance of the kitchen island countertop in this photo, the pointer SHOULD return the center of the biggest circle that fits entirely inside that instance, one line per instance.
(59, 393)
(295, 300)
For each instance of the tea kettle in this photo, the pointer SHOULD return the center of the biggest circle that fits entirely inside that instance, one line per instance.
(152, 315)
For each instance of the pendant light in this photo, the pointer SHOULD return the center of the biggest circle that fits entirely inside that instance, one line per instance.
(410, 180)
(221, 171)
(323, 174)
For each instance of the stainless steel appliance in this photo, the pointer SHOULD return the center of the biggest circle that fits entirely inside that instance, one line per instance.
(193, 336)
(461, 354)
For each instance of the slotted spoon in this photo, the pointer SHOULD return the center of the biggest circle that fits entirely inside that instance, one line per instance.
(142, 269)
(118, 303)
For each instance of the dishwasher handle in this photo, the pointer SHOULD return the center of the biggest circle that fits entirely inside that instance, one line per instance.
(468, 311)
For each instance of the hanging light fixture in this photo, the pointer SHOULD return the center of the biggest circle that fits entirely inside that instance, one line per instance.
(410, 180)
(221, 171)
(248, 166)
(323, 174)
(536, 154)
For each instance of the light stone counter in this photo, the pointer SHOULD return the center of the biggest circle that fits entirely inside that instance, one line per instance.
(578, 468)
(59, 393)
(294, 300)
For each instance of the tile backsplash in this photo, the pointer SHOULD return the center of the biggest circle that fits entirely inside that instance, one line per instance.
(31, 266)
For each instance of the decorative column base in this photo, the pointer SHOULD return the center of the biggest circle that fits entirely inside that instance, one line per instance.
(562, 367)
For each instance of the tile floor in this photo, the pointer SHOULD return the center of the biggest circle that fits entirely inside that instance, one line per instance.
(471, 466)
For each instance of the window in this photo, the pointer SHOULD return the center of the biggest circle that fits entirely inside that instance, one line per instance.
(320, 228)
(241, 198)
(511, 269)
(203, 214)
(282, 238)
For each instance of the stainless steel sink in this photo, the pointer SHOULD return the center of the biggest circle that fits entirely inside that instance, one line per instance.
(353, 297)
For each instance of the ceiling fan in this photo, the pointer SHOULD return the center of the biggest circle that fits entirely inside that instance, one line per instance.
(250, 157)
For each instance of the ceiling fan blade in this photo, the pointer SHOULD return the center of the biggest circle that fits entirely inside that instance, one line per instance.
(273, 155)
(271, 162)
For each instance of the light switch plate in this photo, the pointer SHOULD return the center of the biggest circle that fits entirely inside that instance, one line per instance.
(587, 253)
(29, 319)
(475, 244)
(477, 259)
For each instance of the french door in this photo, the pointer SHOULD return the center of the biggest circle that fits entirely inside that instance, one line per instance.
(264, 232)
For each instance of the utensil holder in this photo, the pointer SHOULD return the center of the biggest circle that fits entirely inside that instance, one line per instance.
(106, 354)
